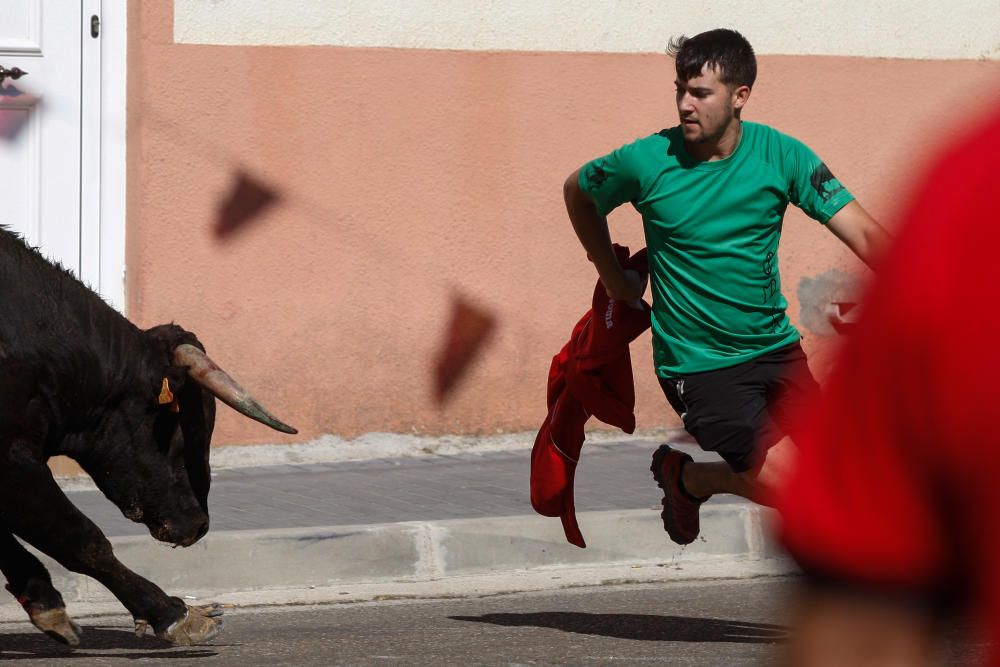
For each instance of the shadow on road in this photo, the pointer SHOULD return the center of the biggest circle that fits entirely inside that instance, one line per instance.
(644, 627)
(36, 646)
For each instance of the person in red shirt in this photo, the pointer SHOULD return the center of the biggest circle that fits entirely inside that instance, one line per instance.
(892, 506)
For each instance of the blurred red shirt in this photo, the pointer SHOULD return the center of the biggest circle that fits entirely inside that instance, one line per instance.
(896, 485)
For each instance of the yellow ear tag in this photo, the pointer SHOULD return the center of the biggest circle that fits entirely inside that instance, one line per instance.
(167, 396)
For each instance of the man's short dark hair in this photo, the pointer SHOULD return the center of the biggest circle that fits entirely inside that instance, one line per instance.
(727, 51)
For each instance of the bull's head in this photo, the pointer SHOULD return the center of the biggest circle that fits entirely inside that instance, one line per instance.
(159, 475)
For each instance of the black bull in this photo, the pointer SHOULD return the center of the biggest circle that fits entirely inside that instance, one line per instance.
(134, 408)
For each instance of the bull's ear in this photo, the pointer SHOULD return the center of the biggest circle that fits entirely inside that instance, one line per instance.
(197, 419)
(168, 336)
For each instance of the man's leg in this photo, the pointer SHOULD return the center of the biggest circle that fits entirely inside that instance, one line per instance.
(721, 410)
(743, 413)
(686, 484)
(704, 479)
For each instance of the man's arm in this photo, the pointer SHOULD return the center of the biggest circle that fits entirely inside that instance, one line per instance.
(592, 229)
(859, 232)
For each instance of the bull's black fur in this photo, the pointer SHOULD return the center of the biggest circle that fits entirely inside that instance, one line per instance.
(93, 355)
(79, 379)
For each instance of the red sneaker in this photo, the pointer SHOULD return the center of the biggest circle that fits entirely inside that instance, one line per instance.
(680, 508)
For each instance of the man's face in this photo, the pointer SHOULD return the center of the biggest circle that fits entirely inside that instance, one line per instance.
(707, 106)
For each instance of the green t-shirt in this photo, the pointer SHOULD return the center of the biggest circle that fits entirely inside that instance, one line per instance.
(712, 230)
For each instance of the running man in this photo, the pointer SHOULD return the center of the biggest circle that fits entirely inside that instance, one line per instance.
(712, 192)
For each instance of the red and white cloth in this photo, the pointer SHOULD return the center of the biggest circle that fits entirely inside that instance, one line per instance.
(591, 376)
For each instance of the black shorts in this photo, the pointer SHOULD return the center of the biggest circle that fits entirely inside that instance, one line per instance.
(741, 411)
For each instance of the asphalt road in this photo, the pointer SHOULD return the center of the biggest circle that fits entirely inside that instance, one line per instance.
(701, 623)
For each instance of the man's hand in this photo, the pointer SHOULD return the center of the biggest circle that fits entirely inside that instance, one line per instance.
(591, 228)
(626, 286)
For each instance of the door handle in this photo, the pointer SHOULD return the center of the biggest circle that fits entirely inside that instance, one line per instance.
(14, 73)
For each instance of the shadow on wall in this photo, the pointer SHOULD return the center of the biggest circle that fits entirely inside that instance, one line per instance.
(818, 292)
(466, 335)
(247, 200)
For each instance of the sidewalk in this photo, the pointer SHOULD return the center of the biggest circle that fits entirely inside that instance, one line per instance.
(423, 519)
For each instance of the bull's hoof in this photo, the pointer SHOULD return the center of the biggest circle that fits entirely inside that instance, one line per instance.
(57, 624)
(199, 624)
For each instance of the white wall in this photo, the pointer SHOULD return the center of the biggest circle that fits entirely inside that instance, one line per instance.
(965, 29)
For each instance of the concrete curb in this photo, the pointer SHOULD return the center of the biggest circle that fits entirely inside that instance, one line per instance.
(409, 559)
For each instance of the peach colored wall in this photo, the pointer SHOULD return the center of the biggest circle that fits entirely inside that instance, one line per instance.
(407, 176)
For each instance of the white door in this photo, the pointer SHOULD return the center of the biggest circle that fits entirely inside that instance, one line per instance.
(40, 150)
(62, 133)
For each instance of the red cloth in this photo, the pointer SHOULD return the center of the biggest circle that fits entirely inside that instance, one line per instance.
(591, 375)
(895, 486)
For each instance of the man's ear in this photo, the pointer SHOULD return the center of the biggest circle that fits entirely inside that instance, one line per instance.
(740, 96)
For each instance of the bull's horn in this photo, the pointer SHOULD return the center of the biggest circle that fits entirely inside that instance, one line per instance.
(205, 372)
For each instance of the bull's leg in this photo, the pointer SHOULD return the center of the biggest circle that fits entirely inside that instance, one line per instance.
(29, 582)
(36, 510)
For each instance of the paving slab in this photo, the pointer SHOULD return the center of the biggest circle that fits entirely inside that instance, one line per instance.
(610, 476)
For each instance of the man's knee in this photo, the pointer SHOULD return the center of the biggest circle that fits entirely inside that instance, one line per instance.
(770, 468)
(733, 438)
